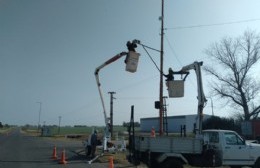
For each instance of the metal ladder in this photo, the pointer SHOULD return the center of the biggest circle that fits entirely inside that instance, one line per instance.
(165, 118)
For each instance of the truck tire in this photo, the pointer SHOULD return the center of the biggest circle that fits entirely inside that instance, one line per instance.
(171, 162)
(257, 163)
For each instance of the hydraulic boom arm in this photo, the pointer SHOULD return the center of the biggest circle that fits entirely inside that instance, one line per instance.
(113, 59)
(201, 97)
(131, 65)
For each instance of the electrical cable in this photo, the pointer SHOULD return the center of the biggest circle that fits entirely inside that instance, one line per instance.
(151, 59)
(213, 24)
(173, 51)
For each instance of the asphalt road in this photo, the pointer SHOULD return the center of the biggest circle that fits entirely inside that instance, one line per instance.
(18, 150)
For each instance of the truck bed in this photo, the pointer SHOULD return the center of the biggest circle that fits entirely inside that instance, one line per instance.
(168, 144)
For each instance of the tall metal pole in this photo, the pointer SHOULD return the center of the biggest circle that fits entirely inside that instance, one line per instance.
(161, 73)
(212, 106)
(59, 124)
(111, 111)
(40, 111)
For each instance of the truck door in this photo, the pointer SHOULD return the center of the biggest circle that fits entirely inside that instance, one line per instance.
(235, 150)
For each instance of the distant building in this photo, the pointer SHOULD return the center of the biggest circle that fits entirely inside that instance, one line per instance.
(174, 123)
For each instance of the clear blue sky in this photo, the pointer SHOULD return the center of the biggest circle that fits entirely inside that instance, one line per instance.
(49, 50)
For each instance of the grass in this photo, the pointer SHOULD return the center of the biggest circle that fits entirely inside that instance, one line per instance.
(5, 130)
(84, 131)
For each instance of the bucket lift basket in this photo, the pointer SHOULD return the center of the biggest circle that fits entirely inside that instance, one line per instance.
(132, 61)
(176, 87)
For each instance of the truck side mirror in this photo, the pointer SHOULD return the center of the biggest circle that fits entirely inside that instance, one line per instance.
(244, 141)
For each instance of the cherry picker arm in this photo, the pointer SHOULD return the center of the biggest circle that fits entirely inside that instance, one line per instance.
(196, 66)
(130, 66)
(113, 59)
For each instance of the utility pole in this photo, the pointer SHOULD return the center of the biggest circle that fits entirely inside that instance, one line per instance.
(161, 73)
(40, 111)
(59, 124)
(111, 111)
(211, 106)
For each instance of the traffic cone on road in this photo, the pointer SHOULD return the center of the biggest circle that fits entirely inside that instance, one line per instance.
(153, 132)
(111, 162)
(63, 158)
(54, 153)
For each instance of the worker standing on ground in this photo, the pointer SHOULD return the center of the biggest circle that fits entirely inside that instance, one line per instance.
(88, 145)
(93, 143)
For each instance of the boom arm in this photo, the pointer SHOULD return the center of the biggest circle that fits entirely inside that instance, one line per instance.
(113, 59)
(201, 97)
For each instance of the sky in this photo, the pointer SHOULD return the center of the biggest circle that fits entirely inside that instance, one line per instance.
(49, 50)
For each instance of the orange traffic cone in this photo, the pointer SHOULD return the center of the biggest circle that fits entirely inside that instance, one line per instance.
(111, 162)
(63, 158)
(54, 153)
(153, 132)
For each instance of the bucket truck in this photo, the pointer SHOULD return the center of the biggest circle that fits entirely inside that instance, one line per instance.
(131, 62)
(208, 148)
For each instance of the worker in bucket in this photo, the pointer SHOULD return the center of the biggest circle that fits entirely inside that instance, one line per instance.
(169, 76)
(131, 47)
(93, 143)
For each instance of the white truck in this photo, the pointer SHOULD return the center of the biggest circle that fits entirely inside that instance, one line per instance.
(207, 148)
(212, 149)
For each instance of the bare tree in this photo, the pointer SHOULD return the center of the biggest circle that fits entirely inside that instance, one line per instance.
(233, 60)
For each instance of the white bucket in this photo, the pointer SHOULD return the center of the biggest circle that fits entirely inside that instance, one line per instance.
(175, 88)
(132, 61)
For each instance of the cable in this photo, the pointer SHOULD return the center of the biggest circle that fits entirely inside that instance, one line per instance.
(151, 59)
(127, 98)
(213, 24)
(135, 83)
(173, 51)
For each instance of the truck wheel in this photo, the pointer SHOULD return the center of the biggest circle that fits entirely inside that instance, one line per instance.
(170, 163)
(257, 163)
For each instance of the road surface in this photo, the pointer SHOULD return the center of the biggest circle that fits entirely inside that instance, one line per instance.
(19, 150)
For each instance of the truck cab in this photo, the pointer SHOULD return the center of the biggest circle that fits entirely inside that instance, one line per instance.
(233, 150)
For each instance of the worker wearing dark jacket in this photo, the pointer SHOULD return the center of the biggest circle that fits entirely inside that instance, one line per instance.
(93, 143)
(169, 76)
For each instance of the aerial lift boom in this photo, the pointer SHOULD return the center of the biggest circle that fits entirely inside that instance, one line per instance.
(131, 47)
(113, 59)
(201, 97)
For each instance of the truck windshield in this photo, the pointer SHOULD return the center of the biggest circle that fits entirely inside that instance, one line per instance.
(233, 139)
